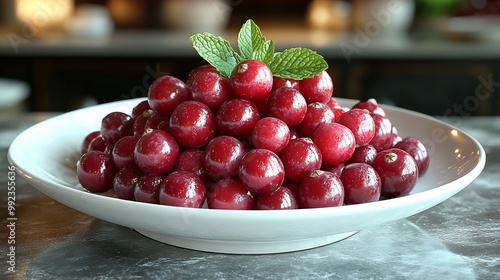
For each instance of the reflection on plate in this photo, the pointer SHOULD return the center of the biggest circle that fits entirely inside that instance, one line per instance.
(46, 155)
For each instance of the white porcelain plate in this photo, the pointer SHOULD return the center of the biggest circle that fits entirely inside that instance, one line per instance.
(46, 155)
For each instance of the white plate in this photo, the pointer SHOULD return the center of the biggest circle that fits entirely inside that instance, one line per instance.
(46, 155)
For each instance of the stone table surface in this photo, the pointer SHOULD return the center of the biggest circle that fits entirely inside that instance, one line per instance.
(457, 239)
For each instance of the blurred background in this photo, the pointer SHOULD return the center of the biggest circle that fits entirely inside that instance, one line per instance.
(439, 57)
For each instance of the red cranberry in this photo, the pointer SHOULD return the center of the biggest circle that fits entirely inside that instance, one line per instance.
(96, 171)
(333, 103)
(125, 181)
(293, 186)
(361, 183)
(237, 117)
(147, 188)
(116, 125)
(398, 171)
(361, 123)
(321, 189)
(192, 75)
(279, 82)
(210, 88)
(395, 138)
(156, 121)
(223, 155)
(365, 154)
(300, 157)
(337, 112)
(318, 88)
(261, 171)
(165, 93)
(270, 133)
(252, 79)
(418, 151)
(282, 198)
(193, 160)
(192, 124)
(371, 105)
(335, 169)
(287, 104)
(140, 108)
(99, 143)
(335, 141)
(383, 133)
(182, 188)
(88, 139)
(156, 152)
(123, 152)
(229, 194)
(140, 123)
(317, 114)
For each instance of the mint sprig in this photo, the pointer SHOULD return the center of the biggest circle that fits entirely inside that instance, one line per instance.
(294, 63)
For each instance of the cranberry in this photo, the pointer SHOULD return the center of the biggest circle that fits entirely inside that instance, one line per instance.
(261, 171)
(96, 171)
(294, 134)
(125, 181)
(398, 171)
(287, 104)
(279, 82)
(147, 188)
(335, 141)
(300, 157)
(337, 112)
(317, 114)
(371, 105)
(237, 117)
(361, 123)
(140, 108)
(223, 155)
(318, 88)
(321, 189)
(116, 125)
(99, 144)
(88, 139)
(229, 194)
(156, 152)
(210, 88)
(251, 79)
(165, 93)
(383, 133)
(182, 188)
(270, 133)
(417, 150)
(335, 169)
(395, 138)
(192, 124)
(140, 123)
(192, 75)
(157, 121)
(333, 103)
(293, 186)
(123, 152)
(281, 198)
(193, 160)
(361, 183)
(365, 154)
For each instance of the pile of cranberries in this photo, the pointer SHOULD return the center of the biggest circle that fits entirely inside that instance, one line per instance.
(250, 141)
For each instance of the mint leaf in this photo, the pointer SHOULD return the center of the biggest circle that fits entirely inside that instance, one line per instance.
(265, 53)
(216, 51)
(297, 63)
(250, 39)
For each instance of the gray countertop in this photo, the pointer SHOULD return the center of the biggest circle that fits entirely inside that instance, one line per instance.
(457, 239)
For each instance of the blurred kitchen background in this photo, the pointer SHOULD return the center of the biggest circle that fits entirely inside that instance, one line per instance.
(439, 57)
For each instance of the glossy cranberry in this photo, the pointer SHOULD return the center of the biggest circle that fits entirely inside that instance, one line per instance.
(294, 134)
(193, 161)
(140, 108)
(279, 82)
(300, 157)
(156, 152)
(192, 124)
(237, 117)
(335, 169)
(261, 171)
(418, 151)
(333, 103)
(361, 123)
(88, 139)
(116, 125)
(337, 112)
(192, 75)
(293, 186)
(321, 189)
(123, 152)
(397, 170)
(318, 88)
(147, 188)
(317, 114)
(157, 121)
(99, 143)
(229, 194)
(140, 123)
(383, 133)
(211, 88)
(335, 141)
(270, 133)
(125, 181)
(371, 105)
(183, 189)
(96, 171)
(365, 154)
(361, 183)
(165, 93)
(395, 138)
(288, 105)
(251, 79)
(282, 198)
(223, 155)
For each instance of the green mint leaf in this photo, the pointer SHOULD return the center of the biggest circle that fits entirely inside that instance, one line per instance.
(216, 51)
(265, 53)
(297, 63)
(250, 39)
